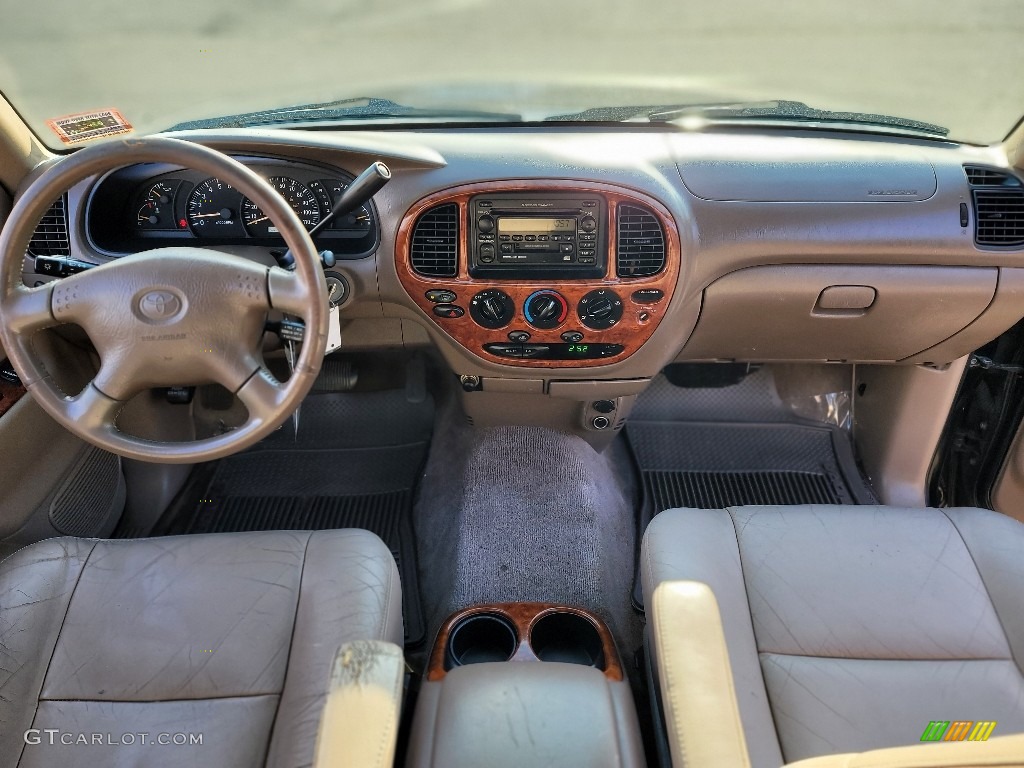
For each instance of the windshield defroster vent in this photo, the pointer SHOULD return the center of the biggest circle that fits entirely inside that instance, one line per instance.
(641, 246)
(51, 235)
(998, 207)
(435, 242)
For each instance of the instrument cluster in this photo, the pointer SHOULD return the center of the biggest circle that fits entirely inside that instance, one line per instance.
(150, 206)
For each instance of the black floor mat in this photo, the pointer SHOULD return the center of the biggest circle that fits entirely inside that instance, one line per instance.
(718, 465)
(354, 464)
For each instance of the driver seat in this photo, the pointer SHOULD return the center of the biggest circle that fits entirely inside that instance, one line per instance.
(230, 637)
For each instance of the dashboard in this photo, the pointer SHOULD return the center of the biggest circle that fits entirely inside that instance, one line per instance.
(550, 260)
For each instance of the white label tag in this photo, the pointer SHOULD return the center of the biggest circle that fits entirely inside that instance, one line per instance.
(333, 330)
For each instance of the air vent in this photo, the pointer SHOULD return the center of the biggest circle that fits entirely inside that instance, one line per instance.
(988, 177)
(998, 207)
(435, 241)
(51, 235)
(641, 248)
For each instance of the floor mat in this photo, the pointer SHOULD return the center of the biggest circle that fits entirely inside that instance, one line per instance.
(354, 463)
(718, 465)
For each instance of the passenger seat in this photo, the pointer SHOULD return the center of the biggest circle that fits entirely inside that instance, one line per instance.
(842, 629)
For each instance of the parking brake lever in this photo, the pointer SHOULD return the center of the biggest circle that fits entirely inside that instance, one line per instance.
(363, 187)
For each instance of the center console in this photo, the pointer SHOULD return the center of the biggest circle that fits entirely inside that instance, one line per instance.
(542, 274)
(516, 684)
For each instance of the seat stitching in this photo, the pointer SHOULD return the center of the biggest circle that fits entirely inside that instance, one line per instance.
(56, 640)
(877, 658)
(1019, 663)
(382, 630)
(291, 643)
(746, 594)
(169, 701)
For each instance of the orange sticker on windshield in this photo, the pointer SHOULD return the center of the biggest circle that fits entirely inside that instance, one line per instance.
(89, 125)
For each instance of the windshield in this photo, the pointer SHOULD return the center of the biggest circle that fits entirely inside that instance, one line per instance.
(954, 63)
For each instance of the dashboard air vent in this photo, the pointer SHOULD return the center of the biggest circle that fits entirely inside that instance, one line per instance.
(998, 206)
(641, 247)
(51, 235)
(435, 242)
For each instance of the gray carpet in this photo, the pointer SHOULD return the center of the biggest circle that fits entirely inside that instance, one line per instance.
(525, 513)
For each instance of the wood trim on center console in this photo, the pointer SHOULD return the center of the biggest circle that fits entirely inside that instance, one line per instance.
(523, 617)
(639, 320)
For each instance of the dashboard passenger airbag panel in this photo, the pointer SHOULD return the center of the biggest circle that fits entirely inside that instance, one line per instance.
(777, 313)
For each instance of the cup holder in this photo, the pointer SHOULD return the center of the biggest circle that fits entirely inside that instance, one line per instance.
(481, 638)
(569, 638)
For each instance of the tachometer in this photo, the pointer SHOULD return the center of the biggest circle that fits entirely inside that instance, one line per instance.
(299, 197)
(213, 210)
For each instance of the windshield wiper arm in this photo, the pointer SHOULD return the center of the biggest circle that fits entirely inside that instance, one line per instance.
(344, 109)
(783, 111)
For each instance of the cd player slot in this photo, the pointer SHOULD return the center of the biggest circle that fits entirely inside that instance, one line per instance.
(532, 212)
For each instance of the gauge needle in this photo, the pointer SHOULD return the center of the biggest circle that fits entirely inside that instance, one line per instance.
(257, 221)
(204, 215)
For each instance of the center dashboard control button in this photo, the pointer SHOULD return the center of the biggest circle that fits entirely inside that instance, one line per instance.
(572, 337)
(647, 296)
(518, 336)
(600, 309)
(448, 310)
(492, 308)
(545, 309)
(441, 296)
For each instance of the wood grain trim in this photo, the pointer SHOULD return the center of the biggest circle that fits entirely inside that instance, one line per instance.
(9, 395)
(524, 616)
(632, 331)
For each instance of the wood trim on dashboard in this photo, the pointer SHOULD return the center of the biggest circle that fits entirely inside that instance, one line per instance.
(9, 394)
(523, 616)
(638, 322)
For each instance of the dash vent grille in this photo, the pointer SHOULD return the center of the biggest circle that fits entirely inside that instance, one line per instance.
(435, 242)
(998, 199)
(641, 245)
(51, 234)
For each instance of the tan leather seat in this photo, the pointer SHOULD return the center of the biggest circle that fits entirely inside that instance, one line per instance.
(843, 629)
(228, 637)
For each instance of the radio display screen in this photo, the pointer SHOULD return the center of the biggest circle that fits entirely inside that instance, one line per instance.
(508, 226)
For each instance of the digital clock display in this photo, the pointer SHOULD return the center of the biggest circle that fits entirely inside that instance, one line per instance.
(514, 225)
(578, 349)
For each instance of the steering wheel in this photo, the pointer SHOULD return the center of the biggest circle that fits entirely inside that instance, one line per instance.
(164, 317)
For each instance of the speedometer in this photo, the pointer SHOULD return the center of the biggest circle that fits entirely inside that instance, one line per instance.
(299, 197)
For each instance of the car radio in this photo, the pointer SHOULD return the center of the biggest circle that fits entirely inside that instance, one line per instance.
(532, 235)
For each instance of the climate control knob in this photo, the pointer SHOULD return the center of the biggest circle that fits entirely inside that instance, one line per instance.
(600, 309)
(492, 308)
(545, 309)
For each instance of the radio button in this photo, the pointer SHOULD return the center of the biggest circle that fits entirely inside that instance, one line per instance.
(506, 247)
(588, 224)
(505, 237)
(586, 260)
(485, 224)
(556, 238)
(531, 238)
(568, 248)
(589, 204)
(517, 238)
(542, 238)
